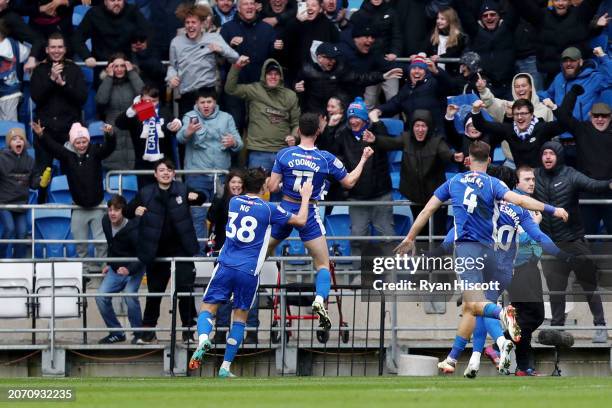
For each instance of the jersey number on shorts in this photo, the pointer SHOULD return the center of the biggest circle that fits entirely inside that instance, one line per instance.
(246, 232)
(299, 174)
(470, 199)
(504, 244)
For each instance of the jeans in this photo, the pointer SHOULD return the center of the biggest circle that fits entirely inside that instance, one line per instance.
(13, 227)
(203, 184)
(264, 160)
(381, 218)
(528, 65)
(83, 220)
(115, 283)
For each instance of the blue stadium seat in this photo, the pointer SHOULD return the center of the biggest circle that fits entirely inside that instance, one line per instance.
(395, 179)
(58, 191)
(498, 156)
(338, 225)
(292, 248)
(53, 224)
(129, 186)
(5, 126)
(395, 127)
(78, 14)
(395, 160)
(396, 195)
(402, 224)
(95, 132)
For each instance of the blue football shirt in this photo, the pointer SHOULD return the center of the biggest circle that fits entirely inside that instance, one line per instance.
(247, 232)
(296, 165)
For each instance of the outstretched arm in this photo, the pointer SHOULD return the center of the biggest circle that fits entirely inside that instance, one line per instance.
(430, 208)
(533, 204)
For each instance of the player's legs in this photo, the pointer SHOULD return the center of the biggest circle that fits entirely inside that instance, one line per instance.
(320, 258)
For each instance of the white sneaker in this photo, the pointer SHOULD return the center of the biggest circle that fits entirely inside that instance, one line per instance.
(508, 320)
(318, 308)
(504, 357)
(471, 370)
(447, 366)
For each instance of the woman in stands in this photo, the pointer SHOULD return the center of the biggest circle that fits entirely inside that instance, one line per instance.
(120, 85)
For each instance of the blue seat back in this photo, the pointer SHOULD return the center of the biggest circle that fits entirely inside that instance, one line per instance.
(338, 225)
(395, 127)
(292, 248)
(53, 224)
(58, 191)
(129, 186)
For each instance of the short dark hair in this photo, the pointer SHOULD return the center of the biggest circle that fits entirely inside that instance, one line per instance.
(169, 164)
(117, 201)
(254, 180)
(56, 36)
(523, 169)
(150, 90)
(207, 92)
(505, 174)
(309, 124)
(480, 151)
(522, 103)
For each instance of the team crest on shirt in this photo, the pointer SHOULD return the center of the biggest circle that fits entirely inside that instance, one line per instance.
(179, 200)
(338, 163)
(282, 210)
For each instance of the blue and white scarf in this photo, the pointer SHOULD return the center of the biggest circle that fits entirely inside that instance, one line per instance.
(527, 133)
(152, 131)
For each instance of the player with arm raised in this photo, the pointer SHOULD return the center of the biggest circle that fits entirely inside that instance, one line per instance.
(474, 196)
(250, 220)
(292, 167)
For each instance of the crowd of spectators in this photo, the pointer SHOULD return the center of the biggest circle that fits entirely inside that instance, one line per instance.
(240, 73)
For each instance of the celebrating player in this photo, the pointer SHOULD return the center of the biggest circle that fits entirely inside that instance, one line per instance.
(293, 166)
(474, 196)
(247, 233)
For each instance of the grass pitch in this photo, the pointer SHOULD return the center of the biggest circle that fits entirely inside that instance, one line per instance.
(320, 392)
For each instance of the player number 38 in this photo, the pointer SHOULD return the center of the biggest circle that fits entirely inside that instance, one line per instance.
(246, 232)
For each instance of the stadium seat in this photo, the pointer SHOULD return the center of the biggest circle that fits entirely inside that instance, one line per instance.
(292, 248)
(68, 281)
(59, 192)
(5, 126)
(78, 14)
(498, 156)
(340, 209)
(16, 279)
(95, 132)
(338, 225)
(395, 127)
(129, 186)
(395, 160)
(53, 224)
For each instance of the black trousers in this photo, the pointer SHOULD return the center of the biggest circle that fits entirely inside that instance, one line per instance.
(557, 274)
(158, 275)
(526, 296)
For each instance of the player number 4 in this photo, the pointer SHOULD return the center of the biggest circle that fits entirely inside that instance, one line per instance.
(470, 199)
(246, 232)
(299, 175)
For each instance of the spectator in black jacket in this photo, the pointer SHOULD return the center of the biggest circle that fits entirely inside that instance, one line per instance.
(328, 76)
(525, 135)
(385, 24)
(417, 23)
(461, 141)
(152, 71)
(58, 88)
(166, 230)
(111, 27)
(559, 185)
(20, 31)
(493, 39)
(48, 17)
(82, 163)
(124, 276)
(335, 11)
(374, 184)
(593, 146)
(557, 28)
(424, 159)
(151, 137)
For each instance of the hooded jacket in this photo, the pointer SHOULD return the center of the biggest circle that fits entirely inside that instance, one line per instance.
(523, 151)
(375, 180)
(423, 163)
(273, 112)
(593, 147)
(559, 187)
(497, 107)
(594, 77)
(84, 172)
(17, 176)
(203, 150)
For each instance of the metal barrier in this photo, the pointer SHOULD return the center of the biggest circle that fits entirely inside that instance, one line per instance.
(285, 291)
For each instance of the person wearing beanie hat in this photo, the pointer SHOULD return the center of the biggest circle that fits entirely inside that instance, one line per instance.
(81, 161)
(17, 176)
(561, 184)
(357, 109)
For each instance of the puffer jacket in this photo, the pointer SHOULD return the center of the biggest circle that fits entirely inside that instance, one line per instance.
(17, 176)
(423, 163)
(274, 113)
(152, 222)
(385, 25)
(559, 187)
